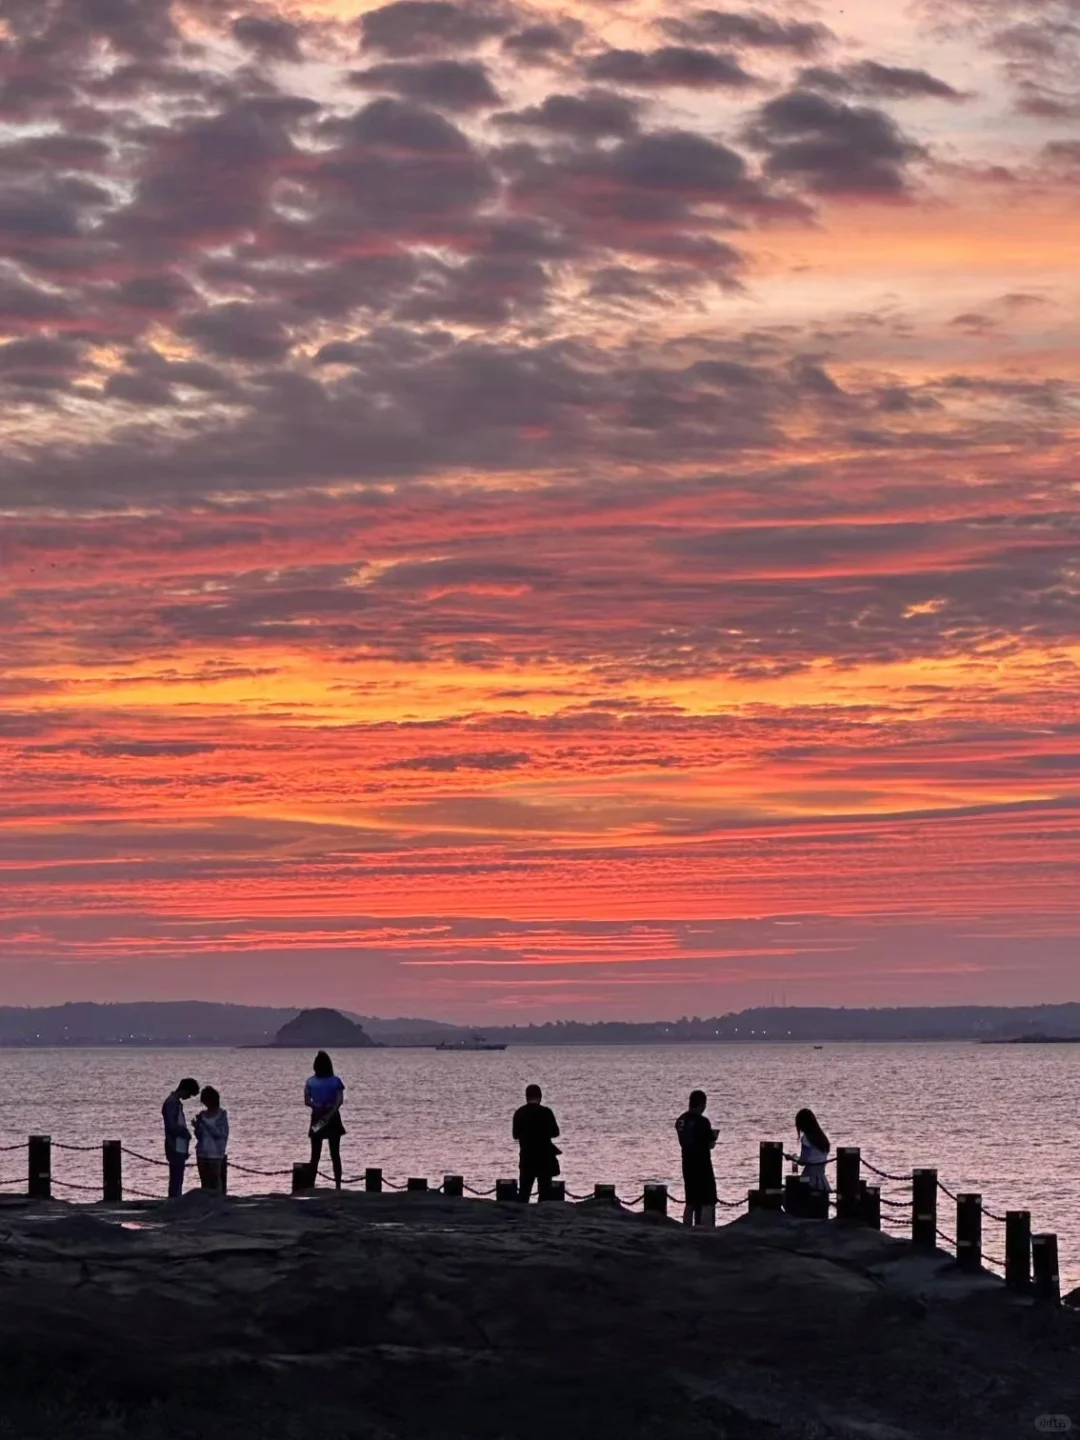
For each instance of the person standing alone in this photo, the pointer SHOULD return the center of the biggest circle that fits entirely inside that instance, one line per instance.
(323, 1095)
(536, 1130)
(177, 1134)
(696, 1140)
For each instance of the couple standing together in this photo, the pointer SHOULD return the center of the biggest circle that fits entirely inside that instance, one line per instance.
(323, 1096)
(211, 1137)
(697, 1138)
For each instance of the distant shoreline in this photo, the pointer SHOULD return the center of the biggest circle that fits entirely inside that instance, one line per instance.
(518, 1045)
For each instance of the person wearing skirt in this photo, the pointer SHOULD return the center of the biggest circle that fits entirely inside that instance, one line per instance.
(324, 1094)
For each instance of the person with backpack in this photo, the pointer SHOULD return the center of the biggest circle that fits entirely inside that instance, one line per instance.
(536, 1130)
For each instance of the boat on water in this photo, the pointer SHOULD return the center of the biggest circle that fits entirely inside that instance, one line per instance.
(476, 1042)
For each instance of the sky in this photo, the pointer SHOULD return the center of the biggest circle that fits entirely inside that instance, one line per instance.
(525, 511)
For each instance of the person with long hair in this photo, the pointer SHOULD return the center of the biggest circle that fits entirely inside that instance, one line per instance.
(211, 1140)
(812, 1158)
(324, 1094)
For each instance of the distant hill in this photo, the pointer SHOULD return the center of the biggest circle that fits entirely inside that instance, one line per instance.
(197, 1022)
(171, 1022)
(322, 1029)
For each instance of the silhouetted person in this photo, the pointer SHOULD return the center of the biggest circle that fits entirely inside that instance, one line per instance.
(536, 1130)
(177, 1134)
(323, 1095)
(211, 1140)
(696, 1140)
(812, 1158)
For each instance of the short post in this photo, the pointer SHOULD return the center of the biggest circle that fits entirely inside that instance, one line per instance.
(655, 1199)
(506, 1190)
(373, 1180)
(301, 1177)
(969, 1232)
(754, 1200)
(1044, 1264)
(1018, 1250)
(556, 1190)
(848, 1181)
(112, 1172)
(604, 1192)
(771, 1174)
(416, 1182)
(793, 1194)
(453, 1185)
(39, 1157)
(870, 1211)
(924, 1188)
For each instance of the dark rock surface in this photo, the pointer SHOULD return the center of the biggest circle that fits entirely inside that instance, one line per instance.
(412, 1317)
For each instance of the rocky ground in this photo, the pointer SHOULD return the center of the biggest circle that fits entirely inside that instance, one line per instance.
(407, 1317)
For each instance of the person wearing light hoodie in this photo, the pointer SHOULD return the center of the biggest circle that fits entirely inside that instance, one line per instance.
(211, 1140)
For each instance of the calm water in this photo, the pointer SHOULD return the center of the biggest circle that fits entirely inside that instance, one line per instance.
(1000, 1119)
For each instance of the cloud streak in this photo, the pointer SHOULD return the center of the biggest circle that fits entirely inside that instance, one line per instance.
(538, 512)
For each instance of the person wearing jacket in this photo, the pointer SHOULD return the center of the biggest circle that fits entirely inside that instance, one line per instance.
(211, 1140)
(535, 1129)
(177, 1134)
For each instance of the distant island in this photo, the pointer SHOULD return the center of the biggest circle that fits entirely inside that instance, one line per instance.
(1036, 1040)
(321, 1029)
(178, 1023)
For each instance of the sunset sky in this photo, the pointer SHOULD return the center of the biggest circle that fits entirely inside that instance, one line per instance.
(514, 510)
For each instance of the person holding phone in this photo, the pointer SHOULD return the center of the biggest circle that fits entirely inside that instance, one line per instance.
(211, 1141)
(177, 1134)
(696, 1140)
(324, 1094)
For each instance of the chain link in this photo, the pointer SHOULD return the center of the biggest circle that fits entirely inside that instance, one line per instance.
(886, 1174)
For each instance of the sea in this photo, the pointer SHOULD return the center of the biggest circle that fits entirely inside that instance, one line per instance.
(1003, 1120)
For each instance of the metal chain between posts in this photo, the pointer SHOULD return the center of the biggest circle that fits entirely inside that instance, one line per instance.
(945, 1190)
(6, 1149)
(483, 1194)
(896, 1204)
(992, 1215)
(72, 1185)
(146, 1159)
(80, 1149)
(886, 1174)
(247, 1170)
(949, 1239)
(21, 1180)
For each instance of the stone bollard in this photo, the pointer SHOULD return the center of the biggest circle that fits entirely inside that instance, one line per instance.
(771, 1174)
(506, 1190)
(924, 1190)
(969, 1232)
(656, 1198)
(39, 1159)
(373, 1180)
(1018, 1250)
(1044, 1256)
(453, 1185)
(848, 1182)
(112, 1172)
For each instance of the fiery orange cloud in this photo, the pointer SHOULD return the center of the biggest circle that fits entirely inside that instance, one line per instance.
(538, 508)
